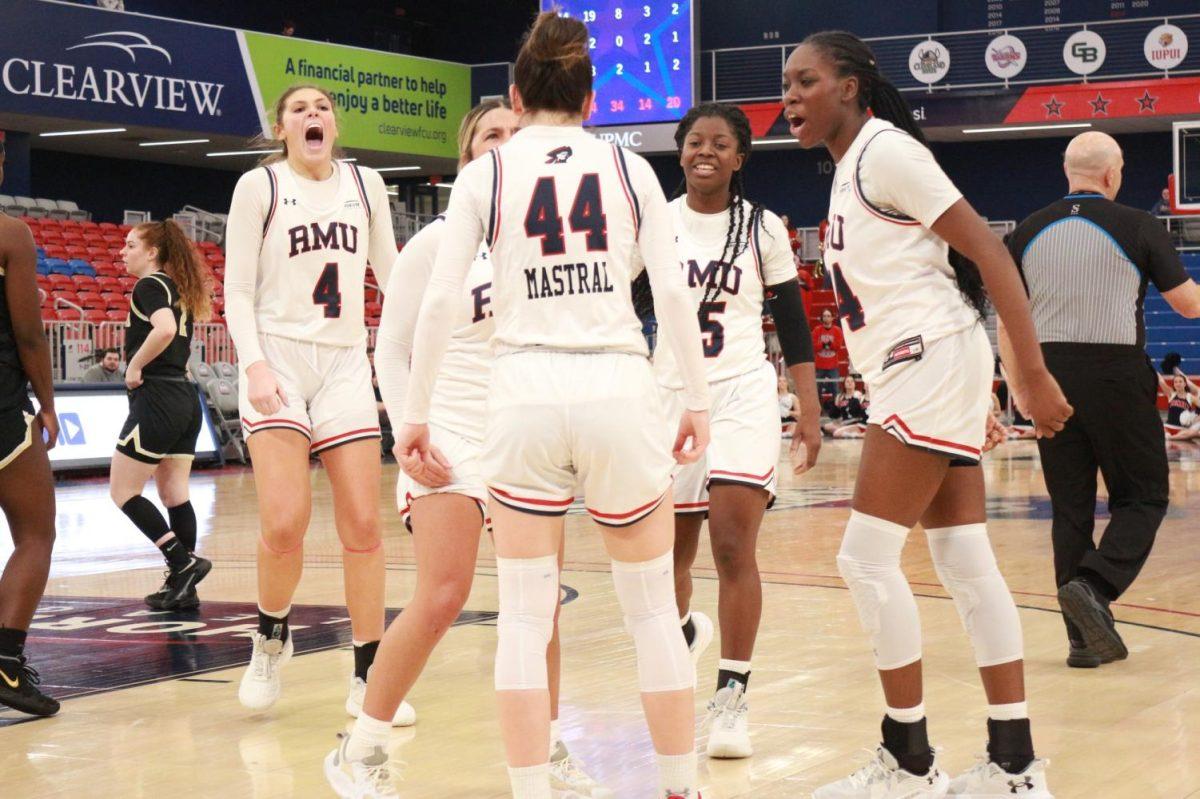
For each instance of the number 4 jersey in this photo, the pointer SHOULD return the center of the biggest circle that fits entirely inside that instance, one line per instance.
(298, 252)
(895, 287)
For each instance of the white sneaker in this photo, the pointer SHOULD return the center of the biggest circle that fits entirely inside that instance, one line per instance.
(985, 780)
(729, 723)
(568, 780)
(369, 778)
(260, 682)
(406, 715)
(883, 778)
(703, 637)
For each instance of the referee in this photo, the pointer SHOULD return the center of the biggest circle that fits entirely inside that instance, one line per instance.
(1086, 262)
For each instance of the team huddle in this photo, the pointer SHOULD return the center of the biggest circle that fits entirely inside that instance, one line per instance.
(515, 370)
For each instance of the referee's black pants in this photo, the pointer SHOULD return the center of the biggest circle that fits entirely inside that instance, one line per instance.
(1117, 429)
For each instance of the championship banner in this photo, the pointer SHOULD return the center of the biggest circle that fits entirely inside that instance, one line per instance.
(386, 102)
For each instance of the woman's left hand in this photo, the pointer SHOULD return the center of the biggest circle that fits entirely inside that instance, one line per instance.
(133, 377)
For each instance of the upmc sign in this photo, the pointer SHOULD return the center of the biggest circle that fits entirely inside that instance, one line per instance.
(81, 63)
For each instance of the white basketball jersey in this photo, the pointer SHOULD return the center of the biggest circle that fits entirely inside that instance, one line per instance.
(460, 393)
(561, 213)
(895, 288)
(729, 294)
(313, 261)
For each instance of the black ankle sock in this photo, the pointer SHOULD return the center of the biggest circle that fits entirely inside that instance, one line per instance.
(364, 656)
(183, 524)
(273, 626)
(909, 744)
(1103, 589)
(725, 675)
(689, 631)
(12, 642)
(175, 553)
(1010, 744)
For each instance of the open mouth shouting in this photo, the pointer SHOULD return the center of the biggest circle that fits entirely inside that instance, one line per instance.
(314, 136)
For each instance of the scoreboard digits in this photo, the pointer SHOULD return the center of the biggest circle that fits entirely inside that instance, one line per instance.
(642, 57)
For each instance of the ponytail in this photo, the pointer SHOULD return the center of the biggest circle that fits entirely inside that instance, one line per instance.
(178, 257)
(852, 57)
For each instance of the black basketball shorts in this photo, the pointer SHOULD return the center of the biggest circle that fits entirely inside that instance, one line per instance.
(164, 420)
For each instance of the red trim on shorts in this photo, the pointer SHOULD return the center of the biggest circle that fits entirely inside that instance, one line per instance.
(266, 424)
(634, 512)
(562, 504)
(937, 442)
(764, 478)
(363, 432)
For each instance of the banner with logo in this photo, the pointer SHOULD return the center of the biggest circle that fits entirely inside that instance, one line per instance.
(386, 102)
(74, 62)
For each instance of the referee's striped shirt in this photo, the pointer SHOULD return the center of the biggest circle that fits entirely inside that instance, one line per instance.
(1086, 262)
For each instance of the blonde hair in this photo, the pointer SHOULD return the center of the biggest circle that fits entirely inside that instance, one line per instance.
(183, 264)
(263, 141)
(470, 125)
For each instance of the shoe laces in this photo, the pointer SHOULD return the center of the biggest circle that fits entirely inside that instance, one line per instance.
(728, 706)
(264, 663)
(29, 672)
(566, 770)
(873, 772)
(380, 772)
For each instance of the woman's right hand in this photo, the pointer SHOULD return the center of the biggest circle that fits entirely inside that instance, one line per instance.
(1042, 401)
(263, 390)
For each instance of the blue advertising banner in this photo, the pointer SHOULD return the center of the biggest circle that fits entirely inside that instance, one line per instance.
(75, 62)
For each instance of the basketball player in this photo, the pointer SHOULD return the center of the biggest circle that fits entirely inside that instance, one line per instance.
(302, 229)
(444, 507)
(26, 485)
(572, 397)
(913, 328)
(735, 256)
(173, 292)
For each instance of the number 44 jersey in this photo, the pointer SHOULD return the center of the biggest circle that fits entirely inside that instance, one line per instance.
(299, 249)
(896, 292)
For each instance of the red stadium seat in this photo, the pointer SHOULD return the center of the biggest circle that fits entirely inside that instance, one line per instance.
(86, 283)
(108, 226)
(69, 314)
(97, 252)
(127, 282)
(62, 282)
(49, 314)
(69, 234)
(124, 229)
(116, 316)
(90, 299)
(108, 283)
(66, 295)
(95, 316)
(115, 299)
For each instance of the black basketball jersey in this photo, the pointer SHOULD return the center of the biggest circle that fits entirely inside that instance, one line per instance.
(14, 386)
(152, 293)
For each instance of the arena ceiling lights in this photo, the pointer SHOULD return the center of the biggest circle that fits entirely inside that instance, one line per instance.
(1024, 128)
(89, 132)
(177, 142)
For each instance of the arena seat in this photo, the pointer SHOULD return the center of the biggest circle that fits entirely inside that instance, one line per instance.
(85, 283)
(108, 283)
(90, 300)
(116, 316)
(69, 314)
(225, 370)
(127, 282)
(202, 372)
(61, 282)
(95, 315)
(73, 211)
(49, 315)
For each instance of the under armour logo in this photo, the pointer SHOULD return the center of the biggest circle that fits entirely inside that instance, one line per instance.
(1025, 785)
(289, 200)
(559, 156)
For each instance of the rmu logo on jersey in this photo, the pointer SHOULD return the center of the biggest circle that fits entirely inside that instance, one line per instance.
(481, 302)
(559, 156)
(717, 273)
(567, 279)
(334, 236)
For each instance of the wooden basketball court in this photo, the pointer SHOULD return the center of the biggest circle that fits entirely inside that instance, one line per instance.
(154, 711)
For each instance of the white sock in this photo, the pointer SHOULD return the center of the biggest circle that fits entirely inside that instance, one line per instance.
(555, 735)
(1010, 712)
(275, 614)
(530, 782)
(741, 667)
(367, 734)
(677, 774)
(685, 618)
(907, 715)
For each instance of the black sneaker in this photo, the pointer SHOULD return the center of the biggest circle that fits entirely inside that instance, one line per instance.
(1080, 657)
(179, 590)
(18, 688)
(1090, 614)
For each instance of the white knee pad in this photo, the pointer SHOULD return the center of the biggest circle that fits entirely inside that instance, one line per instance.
(646, 591)
(869, 562)
(528, 597)
(966, 566)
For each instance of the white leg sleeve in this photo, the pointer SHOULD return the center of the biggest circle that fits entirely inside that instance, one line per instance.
(646, 591)
(869, 562)
(528, 597)
(966, 566)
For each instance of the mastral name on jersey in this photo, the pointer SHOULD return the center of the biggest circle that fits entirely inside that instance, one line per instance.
(334, 236)
(730, 276)
(567, 279)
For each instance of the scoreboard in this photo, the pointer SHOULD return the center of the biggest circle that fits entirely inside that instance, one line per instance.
(643, 57)
(977, 14)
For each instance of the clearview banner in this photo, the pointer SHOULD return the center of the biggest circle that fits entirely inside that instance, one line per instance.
(386, 102)
(91, 65)
(86, 64)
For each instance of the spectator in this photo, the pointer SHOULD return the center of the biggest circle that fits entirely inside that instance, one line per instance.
(789, 407)
(854, 423)
(839, 407)
(793, 234)
(1163, 206)
(107, 369)
(1087, 262)
(827, 349)
(288, 29)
